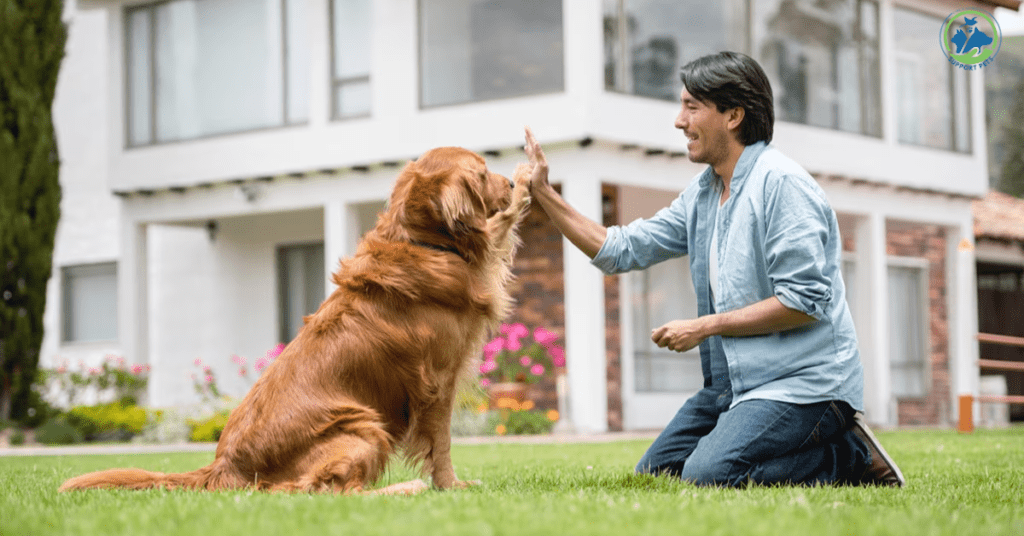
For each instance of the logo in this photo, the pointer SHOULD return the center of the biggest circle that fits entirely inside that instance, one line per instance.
(970, 38)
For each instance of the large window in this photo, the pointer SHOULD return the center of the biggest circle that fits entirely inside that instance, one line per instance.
(300, 270)
(823, 62)
(821, 56)
(204, 67)
(350, 84)
(908, 340)
(89, 312)
(932, 96)
(663, 293)
(647, 41)
(476, 50)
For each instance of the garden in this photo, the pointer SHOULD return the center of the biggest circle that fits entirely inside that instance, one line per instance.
(513, 393)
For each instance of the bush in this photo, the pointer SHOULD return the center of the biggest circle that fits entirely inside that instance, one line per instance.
(209, 429)
(117, 421)
(17, 438)
(58, 432)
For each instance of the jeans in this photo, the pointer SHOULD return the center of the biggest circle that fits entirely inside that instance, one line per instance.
(758, 441)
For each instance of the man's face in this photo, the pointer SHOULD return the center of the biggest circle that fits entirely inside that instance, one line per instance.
(706, 128)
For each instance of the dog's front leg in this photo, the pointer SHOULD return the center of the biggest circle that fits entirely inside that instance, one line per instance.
(440, 460)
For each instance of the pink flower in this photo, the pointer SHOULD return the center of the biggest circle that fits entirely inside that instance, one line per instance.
(238, 360)
(484, 382)
(206, 369)
(557, 356)
(487, 366)
(544, 336)
(261, 364)
(514, 344)
(198, 362)
(525, 361)
(209, 378)
(275, 351)
(537, 369)
(93, 371)
(138, 369)
(492, 348)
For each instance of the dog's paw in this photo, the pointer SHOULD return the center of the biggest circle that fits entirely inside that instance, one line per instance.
(521, 175)
(411, 487)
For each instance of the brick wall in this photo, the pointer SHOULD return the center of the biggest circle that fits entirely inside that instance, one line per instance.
(539, 290)
(928, 242)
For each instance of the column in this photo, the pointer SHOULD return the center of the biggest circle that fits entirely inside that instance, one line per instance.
(962, 304)
(872, 318)
(336, 224)
(133, 293)
(584, 318)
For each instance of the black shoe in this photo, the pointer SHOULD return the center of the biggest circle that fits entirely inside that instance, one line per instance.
(882, 471)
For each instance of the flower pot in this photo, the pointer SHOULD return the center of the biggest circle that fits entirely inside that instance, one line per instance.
(505, 395)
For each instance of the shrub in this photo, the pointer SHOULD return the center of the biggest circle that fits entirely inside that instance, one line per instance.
(116, 421)
(17, 438)
(58, 432)
(209, 429)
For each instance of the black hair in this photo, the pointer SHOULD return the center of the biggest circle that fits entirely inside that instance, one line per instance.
(733, 80)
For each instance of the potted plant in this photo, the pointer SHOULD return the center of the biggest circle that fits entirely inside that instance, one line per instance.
(516, 359)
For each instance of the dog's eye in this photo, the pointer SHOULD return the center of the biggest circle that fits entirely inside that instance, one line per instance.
(483, 176)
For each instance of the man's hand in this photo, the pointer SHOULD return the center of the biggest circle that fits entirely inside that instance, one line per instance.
(539, 173)
(680, 335)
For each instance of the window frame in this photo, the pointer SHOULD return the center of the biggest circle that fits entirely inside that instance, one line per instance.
(67, 276)
(150, 8)
(923, 271)
(337, 81)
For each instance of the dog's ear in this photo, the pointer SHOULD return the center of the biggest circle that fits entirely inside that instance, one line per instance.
(460, 205)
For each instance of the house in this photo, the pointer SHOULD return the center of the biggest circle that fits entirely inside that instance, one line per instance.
(220, 156)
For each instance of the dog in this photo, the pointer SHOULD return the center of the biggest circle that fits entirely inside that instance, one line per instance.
(375, 369)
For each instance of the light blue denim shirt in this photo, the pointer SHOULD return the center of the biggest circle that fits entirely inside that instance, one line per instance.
(777, 236)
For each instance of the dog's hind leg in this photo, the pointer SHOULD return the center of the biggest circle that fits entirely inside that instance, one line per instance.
(344, 464)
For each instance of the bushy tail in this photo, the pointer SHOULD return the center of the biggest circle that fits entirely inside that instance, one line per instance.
(205, 478)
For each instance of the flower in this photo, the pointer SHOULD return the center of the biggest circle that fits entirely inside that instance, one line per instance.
(520, 354)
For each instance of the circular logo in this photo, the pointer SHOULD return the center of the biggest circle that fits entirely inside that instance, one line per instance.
(970, 38)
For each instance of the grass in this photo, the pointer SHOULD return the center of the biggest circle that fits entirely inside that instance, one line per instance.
(958, 485)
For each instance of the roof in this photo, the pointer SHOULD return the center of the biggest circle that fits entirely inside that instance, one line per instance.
(999, 216)
(1008, 4)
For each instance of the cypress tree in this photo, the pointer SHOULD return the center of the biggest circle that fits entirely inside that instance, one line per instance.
(32, 37)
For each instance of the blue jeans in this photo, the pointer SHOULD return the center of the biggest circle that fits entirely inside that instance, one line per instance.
(758, 441)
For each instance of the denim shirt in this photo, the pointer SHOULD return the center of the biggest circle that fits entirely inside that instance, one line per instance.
(777, 236)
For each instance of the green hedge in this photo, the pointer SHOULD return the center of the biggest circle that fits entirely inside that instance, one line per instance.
(116, 421)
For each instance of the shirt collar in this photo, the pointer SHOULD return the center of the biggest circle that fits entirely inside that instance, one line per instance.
(742, 169)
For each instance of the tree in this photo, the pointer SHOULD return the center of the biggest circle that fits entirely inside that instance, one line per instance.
(1011, 180)
(32, 37)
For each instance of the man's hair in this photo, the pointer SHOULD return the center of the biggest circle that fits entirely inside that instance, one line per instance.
(733, 80)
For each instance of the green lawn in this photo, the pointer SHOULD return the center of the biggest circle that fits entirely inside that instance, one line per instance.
(958, 485)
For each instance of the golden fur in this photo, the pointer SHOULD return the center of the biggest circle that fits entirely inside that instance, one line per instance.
(375, 369)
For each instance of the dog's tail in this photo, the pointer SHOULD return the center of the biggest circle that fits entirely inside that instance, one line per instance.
(206, 478)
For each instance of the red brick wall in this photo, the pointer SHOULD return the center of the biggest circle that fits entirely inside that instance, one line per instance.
(539, 290)
(928, 242)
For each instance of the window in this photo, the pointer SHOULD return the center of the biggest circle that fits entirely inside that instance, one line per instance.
(647, 41)
(89, 299)
(204, 67)
(663, 293)
(822, 60)
(476, 50)
(301, 280)
(350, 86)
(932, 96)
(908, 340)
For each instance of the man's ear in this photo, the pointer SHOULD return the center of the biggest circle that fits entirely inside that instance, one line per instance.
(734, 118)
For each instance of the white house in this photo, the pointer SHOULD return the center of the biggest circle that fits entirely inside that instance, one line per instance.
(220, 156)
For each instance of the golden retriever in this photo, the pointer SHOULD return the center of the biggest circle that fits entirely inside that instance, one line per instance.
(375, 369)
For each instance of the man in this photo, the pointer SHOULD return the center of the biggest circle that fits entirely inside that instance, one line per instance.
(783, 381)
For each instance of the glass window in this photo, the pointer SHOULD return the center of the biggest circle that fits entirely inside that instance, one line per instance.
(647, 41)
(823, 62)
(199, 68)
(351, 64)
(301, 281)
(89, 302)
(663, 293)
(476, 50)
(932, 96)
(908, 345)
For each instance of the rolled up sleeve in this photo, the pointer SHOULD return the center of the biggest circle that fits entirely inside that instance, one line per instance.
(643, 243)
(796, 236)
